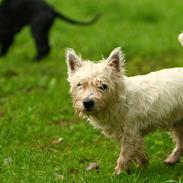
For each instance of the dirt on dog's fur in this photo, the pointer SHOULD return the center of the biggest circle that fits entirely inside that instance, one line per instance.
(15, 14)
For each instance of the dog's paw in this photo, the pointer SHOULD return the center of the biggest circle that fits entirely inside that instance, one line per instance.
(1, 54)
(117, 170)
(173, 157)
(142, 162)
(170, 161)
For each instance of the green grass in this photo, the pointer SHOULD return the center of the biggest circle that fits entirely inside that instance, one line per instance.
(36, 108)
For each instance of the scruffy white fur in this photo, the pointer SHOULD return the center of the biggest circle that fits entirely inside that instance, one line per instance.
(128, 108)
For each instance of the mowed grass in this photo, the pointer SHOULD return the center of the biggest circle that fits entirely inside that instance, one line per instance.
(36, 108)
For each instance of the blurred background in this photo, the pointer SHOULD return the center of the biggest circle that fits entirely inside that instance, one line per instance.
(41, 138)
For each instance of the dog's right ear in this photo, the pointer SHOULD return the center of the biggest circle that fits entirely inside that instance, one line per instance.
(73, 60)
(116, 59)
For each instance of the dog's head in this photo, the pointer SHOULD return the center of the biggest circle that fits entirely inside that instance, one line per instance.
(95, 86)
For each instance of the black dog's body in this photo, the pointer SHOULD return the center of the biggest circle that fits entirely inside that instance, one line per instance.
(15, 14)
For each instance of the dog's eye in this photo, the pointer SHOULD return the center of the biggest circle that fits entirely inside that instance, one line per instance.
(103, 87)
(79, 84)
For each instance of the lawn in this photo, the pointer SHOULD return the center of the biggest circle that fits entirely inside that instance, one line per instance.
(41, 139)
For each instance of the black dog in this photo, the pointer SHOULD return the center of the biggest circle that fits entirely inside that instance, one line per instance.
(15, 14)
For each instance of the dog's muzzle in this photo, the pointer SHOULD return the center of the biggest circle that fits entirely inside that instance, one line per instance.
(88, 104)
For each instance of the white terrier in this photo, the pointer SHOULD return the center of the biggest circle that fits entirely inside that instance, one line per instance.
(127, 108)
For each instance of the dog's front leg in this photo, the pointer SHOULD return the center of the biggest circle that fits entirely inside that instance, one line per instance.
(123, 162)
(5, 45)
(132, 149)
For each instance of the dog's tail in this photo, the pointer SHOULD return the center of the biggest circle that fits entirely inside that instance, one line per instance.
(180, 38)
(77, 22)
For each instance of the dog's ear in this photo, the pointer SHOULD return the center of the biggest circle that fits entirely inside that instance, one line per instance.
(73, 60)
(116, 59)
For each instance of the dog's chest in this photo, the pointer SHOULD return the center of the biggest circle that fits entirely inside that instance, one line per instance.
(109, 128)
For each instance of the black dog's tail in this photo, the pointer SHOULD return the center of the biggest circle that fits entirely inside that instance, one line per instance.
(77, 22)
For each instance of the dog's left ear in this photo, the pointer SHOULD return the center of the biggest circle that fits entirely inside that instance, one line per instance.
(116, 59)
(73, 60)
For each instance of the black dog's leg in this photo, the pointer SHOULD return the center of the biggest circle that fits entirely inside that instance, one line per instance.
(5, 45)
(40, 30)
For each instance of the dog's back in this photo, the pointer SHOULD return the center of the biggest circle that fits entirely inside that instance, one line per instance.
(158, 95)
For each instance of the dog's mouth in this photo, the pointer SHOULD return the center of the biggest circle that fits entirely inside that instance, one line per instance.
(87, 111)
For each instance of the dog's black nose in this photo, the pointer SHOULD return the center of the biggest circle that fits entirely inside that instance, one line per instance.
(88, 103)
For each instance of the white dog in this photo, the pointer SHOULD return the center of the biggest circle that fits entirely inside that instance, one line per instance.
(128, 108)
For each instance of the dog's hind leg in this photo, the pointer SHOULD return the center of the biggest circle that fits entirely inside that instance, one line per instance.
(177, 132)
(40, 30)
